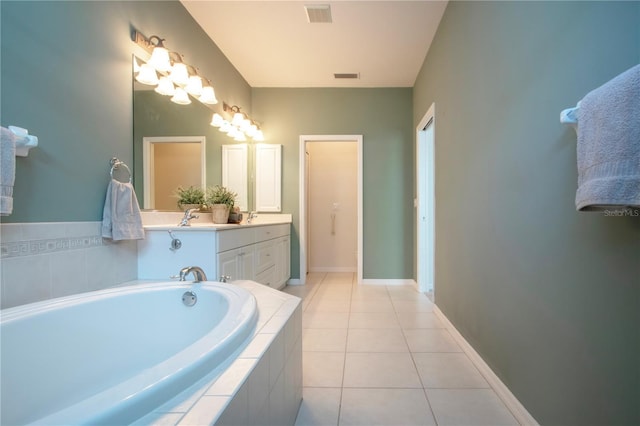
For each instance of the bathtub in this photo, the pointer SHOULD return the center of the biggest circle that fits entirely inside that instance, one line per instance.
(111, 356)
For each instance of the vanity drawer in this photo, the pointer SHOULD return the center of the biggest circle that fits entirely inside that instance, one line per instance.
(270, 232)
(234, 238)
(267, 277)
(265, 255)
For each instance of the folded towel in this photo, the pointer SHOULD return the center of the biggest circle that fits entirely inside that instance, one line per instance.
(7, 171)
(609, 144)
(121, 219)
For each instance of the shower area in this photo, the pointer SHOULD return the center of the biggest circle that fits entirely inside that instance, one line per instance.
(332, 206)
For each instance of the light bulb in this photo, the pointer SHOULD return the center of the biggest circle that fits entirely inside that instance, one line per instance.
(259, 137)
(208, 96)
(165, 87)
(194, 87)
(160, 59)
(147, 75)
(179, 74)
(217, 120)
(237, 119)
(181, 97)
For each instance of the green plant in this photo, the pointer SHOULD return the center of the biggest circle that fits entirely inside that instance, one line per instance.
(190, 195)
(220, 195)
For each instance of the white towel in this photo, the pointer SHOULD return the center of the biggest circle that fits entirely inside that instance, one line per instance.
(8, 171)
(609, 144)
(121, 219)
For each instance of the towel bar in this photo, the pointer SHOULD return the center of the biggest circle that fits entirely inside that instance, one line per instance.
(570, 116)
(115, 163)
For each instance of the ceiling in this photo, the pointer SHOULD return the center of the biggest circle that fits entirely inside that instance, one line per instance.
(272, 43)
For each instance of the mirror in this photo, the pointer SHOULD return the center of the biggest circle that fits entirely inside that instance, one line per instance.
(155, 117)
(174, 145)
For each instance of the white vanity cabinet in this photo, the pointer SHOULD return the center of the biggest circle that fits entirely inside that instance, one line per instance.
(259, 258)
(259, 253)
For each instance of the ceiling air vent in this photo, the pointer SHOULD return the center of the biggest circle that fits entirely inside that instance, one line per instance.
(347, 75)
(318, 13)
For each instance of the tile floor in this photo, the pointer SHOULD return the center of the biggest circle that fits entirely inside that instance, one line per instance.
(378, 355)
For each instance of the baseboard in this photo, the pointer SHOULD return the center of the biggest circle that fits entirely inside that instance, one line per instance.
(517, 409)
(294, 281)
(332, 269)
(391, 282)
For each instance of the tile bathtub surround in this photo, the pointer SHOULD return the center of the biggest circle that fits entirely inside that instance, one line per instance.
(41, 261)
(262, 386)
(380, 355)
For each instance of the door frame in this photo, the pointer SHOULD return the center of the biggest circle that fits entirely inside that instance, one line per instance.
(304, 139)
(426, 200)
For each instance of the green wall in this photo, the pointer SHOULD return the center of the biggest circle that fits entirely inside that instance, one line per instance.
(549, 297)
(66, 77)
(383, 117)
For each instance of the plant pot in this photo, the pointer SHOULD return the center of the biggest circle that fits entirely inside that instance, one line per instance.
(220, 213)
(185, 207)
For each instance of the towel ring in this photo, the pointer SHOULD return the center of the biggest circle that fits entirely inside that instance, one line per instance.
(115, 163)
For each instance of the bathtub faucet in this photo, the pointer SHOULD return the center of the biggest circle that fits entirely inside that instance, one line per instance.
(198, 274)
(188, 215)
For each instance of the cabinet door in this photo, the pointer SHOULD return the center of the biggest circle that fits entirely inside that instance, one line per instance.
(228, 265)
(234, 172)
(268, 177)
(283, 261)
(246, 259)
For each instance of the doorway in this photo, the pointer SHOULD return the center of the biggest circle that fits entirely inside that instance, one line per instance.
(333, 220)
(425, 215)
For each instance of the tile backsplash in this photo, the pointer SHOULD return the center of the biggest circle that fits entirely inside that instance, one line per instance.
(42, 261)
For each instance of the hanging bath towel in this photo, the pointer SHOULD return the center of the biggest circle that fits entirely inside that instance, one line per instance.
(121, 219)
(609, 145)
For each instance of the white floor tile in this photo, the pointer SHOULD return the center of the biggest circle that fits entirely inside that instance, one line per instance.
(368, 305)
(315, 319)
(431, 340)
(419, 320)
(328, 305)
(324, 340)
(376, 340)
(320, 407)
(373, 320)
(462, 407)
(448, 370)
(380, 370)
(418, 305)
(385, 407)
(322, 369)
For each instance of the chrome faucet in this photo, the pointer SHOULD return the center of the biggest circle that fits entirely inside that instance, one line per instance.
(252, 215)
(198, 273)
(188, 215)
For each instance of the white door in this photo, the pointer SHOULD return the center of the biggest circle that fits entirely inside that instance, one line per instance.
(425, 175)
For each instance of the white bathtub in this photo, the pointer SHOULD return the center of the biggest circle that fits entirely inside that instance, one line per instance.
(111, 356)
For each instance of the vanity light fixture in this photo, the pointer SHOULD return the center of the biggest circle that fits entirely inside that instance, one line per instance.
(179, 80)
(240, 126)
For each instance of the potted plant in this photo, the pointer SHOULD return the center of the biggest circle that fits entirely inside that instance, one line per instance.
(189, 198)
(221, 201)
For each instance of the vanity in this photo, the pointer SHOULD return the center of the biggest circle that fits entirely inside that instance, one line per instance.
(258, 251)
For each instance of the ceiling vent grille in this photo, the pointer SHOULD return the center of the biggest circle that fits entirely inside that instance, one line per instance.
(318, 13)
(347, 75)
